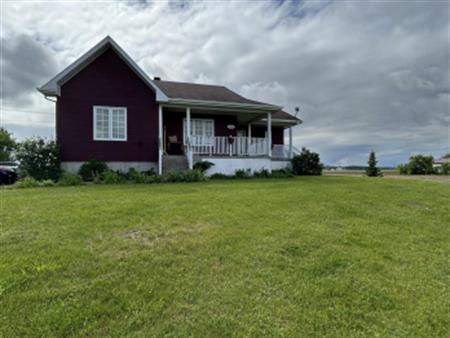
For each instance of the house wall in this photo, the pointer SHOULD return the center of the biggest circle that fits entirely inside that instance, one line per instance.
(277, 133)
(107, 81)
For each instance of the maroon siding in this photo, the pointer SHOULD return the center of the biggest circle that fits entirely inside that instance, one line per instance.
(277, 133)
(107, 81)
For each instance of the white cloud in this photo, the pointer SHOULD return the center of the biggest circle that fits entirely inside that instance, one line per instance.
(366, 76)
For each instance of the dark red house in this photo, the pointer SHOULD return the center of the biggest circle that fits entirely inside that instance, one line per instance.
(107, 108)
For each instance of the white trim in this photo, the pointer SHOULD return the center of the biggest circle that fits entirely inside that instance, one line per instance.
(53, 87)
(269, 135)
(160, 139)
(110, 127)
(195, 119)
(257, 108)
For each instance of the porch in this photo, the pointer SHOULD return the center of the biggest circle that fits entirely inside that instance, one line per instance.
(221, 133)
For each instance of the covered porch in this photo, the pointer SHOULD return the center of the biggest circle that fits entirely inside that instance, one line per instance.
(221, 133)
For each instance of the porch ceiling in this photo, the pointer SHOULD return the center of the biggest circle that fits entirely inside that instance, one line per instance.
(242, 116)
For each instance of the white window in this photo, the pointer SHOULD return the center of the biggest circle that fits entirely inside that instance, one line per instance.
(110, 123)
(202, 131)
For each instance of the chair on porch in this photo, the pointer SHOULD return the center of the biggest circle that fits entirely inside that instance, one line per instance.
(174, 146)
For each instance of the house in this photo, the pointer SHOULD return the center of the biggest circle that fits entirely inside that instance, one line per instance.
(439, 164)
(109, 109)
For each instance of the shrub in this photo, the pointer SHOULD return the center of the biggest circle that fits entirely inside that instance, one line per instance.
(242, 174)
(219, 176)
(27, 182)
(282, 173)
(264, 173)
(402, 169)
(194, 176)
(372, 170)
(69, 179)
(445, 169)
(203, 166)
(110, 177)
(92, 168)
(39, 158)
(306, 163)
(48, 183)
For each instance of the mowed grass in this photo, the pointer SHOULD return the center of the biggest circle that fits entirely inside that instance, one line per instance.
(304, 257)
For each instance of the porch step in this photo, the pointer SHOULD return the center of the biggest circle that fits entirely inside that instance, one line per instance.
(174, 163)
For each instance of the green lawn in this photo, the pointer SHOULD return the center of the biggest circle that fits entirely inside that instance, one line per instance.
(304, 257)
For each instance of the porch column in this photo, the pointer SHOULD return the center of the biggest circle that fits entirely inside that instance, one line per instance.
(290, 142)
(160, 139)
(269, 135)
(249, 138)
(188, 138)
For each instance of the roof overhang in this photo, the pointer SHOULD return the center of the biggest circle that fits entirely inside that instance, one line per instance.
(53, 87)
(222, 106)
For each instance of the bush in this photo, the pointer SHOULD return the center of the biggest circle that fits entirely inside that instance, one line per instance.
(282, 173)
(242, 174)
(306, 163)
(264, 173)
(203, 166)
(92, 168)
(48, 183)
(110, 177)
(27, 182)
(402, 169)
(69, 179)
(39, 158)
(219, 176)
(445, 169)
(194, 176)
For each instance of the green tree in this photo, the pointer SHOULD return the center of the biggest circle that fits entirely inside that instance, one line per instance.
(420, 165)
(372, 170)
(7, 145)
(446, 155)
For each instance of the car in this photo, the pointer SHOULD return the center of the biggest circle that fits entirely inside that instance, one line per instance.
(7, 175)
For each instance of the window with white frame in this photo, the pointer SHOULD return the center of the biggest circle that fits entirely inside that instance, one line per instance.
(202, 131)
(110, 123)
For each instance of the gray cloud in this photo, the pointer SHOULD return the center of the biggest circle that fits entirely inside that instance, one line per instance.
(366, 76)
(26, 65)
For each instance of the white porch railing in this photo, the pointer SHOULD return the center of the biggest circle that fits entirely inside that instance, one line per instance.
(283, 151)
(224, 146)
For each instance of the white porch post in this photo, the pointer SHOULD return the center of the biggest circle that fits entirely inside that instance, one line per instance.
(160, 139)
(269, 135)
(188, 138)
(290, 142)
(249, 138)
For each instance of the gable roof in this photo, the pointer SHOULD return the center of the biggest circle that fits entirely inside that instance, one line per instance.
(53, 87)
(169, 92)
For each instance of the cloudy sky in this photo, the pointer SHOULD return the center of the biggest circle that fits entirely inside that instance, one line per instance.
(366, 74)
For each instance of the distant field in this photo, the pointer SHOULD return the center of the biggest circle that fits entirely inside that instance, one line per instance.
(389, 174)
(304, 257)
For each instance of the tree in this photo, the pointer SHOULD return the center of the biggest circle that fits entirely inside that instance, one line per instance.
(7, 145)
(372, 170)
(420, 165)
(446, 155)
(307, 163)
(39, 158)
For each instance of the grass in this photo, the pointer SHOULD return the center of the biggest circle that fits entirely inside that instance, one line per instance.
(304, 257)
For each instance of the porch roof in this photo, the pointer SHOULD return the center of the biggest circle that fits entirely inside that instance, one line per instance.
(212, 96)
